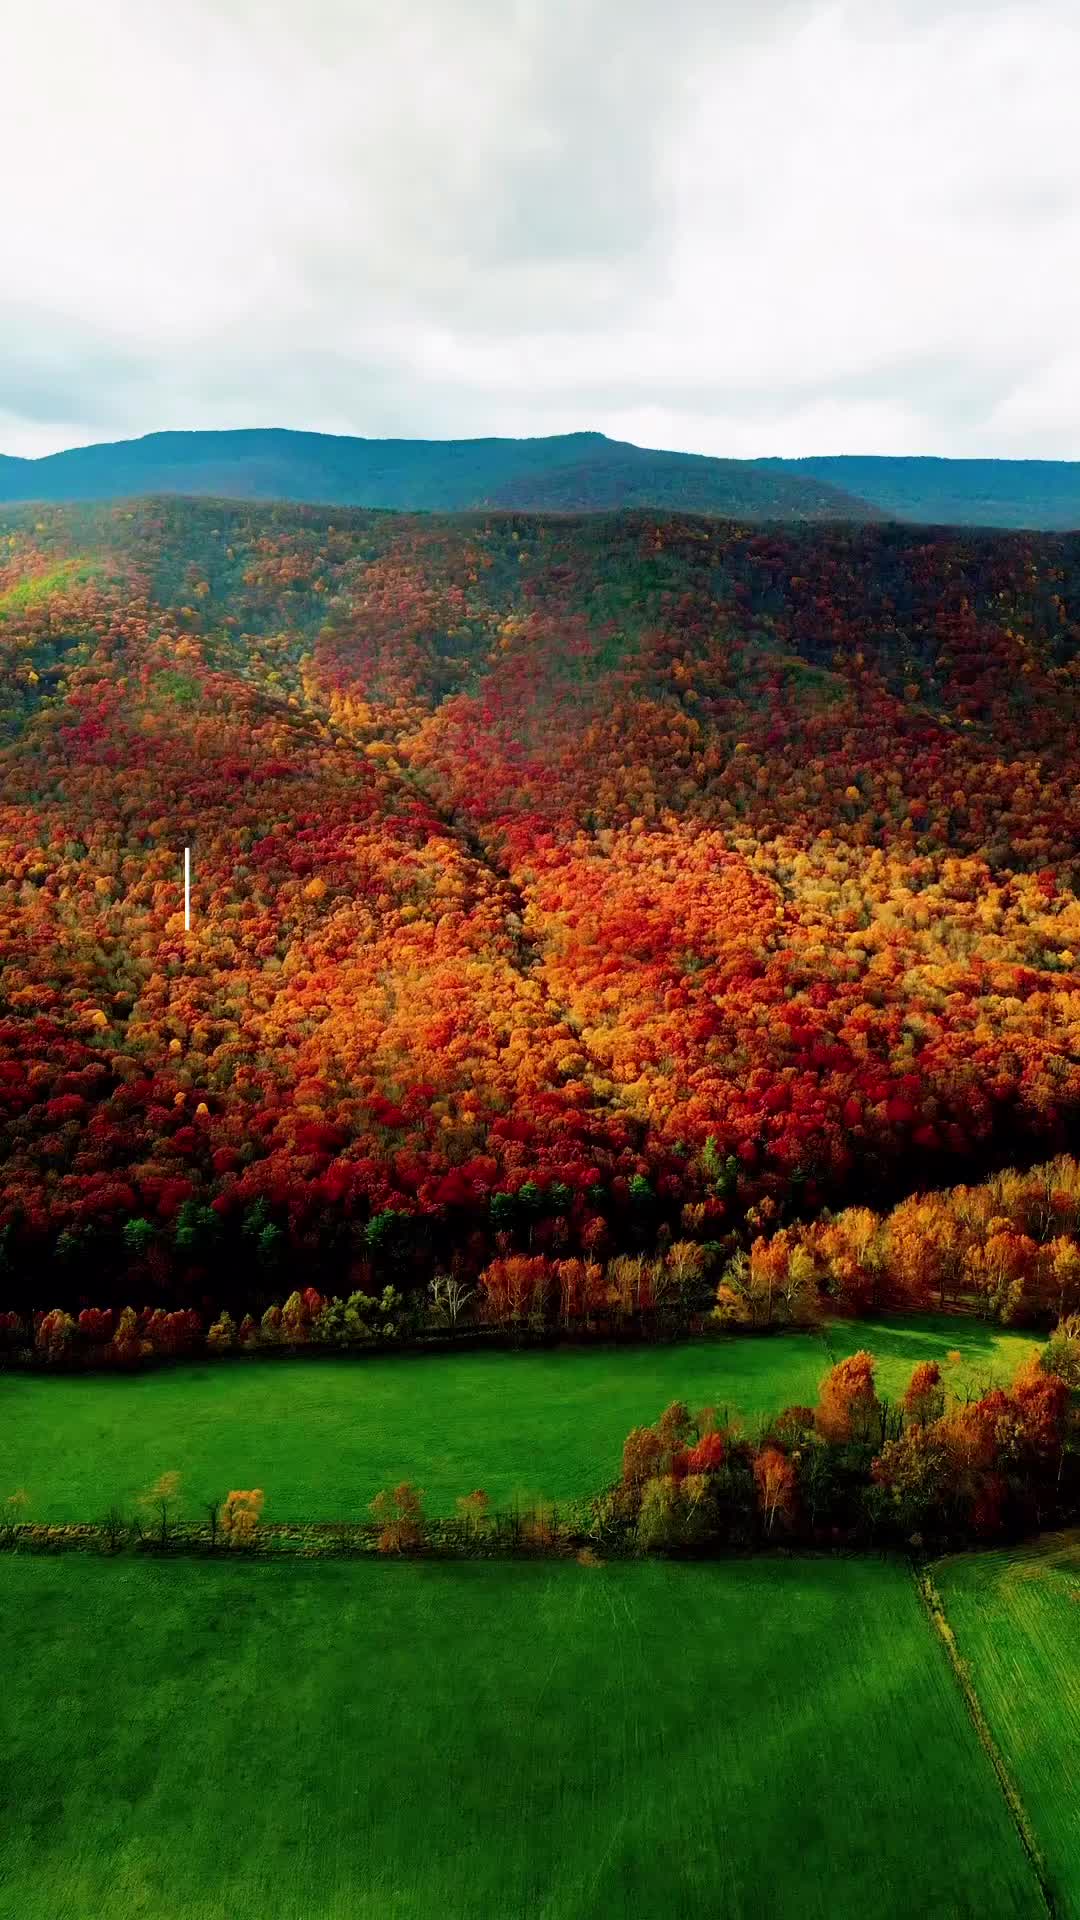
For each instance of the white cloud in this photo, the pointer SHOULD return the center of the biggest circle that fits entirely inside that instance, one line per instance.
(788, 228)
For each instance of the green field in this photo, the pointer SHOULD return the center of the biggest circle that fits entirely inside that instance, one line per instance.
(1016, 1618)
(321, 1435)
(357, 1741)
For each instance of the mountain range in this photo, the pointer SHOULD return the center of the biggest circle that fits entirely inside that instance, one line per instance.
(575, 472)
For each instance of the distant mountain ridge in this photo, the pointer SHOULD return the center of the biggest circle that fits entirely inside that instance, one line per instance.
(568, 473)
(571, 472)
(1042, 495)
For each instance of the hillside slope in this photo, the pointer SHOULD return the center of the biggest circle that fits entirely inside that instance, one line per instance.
(975, 493)
(572, 472)
(559, 883)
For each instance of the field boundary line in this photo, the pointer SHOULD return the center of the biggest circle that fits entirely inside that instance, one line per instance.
(934, 1608)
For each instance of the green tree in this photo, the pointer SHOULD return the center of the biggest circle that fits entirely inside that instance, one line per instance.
(139, 1236)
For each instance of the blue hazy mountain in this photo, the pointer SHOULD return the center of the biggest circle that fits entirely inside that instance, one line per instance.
(571, 472)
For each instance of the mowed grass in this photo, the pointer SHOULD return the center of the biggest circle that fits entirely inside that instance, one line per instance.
(1016, 1618)
(322, 1435)
(368, 1741)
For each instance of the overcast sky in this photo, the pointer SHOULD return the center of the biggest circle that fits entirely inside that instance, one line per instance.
(731, 226)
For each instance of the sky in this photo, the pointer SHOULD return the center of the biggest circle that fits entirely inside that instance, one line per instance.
(735, 227)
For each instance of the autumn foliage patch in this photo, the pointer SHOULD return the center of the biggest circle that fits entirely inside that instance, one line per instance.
(938, 1467)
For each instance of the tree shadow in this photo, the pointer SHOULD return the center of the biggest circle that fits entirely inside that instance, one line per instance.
(923, 1337)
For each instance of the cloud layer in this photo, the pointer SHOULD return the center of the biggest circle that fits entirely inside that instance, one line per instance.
(779, 227)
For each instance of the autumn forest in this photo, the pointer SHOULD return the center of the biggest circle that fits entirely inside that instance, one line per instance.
(577, 904)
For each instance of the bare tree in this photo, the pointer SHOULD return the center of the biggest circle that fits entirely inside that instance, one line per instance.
(115, 1527)
(160, 1498)
(448, 1296)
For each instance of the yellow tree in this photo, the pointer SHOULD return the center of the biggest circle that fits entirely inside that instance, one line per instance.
(240, 1516)
(160, 1497)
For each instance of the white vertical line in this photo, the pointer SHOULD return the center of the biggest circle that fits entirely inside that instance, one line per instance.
(187, 889)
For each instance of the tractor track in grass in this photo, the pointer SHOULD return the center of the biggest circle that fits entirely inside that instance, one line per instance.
(938, 1620)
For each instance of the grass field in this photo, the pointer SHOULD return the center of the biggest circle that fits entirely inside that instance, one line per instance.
(354, 1741)
(320, 1436)
(1016, 1618)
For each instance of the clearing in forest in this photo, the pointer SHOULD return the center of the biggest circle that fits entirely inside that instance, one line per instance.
(321, 1435)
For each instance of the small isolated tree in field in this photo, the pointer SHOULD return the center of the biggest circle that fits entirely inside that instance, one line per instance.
(240, 1516)
(14, 1511)
(473, 1511)
(400, 1514)
(159, 1498)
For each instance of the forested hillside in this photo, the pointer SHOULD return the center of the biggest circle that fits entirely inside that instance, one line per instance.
(562, 888)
